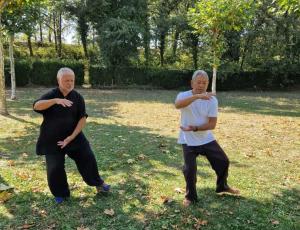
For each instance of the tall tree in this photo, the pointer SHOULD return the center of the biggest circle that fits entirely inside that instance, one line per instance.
(211, 18)
(78, 9)
(3, 108)
(19, 16)
(118, 24)
(162, 20)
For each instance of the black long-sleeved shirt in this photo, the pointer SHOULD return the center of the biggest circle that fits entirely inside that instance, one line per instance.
(59, 122)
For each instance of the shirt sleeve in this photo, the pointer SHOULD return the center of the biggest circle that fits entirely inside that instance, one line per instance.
(81, 108)
(180, 96)
(46, 96)
(213, 108)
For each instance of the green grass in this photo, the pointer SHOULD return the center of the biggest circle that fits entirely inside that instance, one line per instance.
(259, 132)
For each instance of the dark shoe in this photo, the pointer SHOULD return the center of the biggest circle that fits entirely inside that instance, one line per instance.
(103, 188)
(59, 200)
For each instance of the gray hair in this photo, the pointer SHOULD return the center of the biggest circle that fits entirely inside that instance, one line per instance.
(64, 70)
(199, 73)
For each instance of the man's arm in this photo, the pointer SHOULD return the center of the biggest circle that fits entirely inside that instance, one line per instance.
(210, 125)
(45, 104)
(80, 125)
(187, 101)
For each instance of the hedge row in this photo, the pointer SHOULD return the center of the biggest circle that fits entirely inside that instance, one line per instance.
(166, 79)
(44, 73)
(175, 79)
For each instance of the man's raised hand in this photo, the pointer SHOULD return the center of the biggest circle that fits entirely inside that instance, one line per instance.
(205, 96)
(64, 102)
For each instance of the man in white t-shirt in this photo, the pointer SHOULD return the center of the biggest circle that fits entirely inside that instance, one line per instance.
(199, 111)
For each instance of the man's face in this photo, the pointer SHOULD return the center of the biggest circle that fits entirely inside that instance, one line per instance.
(199, 84)
(66, 82)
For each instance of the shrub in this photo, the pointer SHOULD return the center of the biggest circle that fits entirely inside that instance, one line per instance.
(22, 71)
(44, 71)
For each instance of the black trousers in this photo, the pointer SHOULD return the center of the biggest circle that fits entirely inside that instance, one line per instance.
(86, 165)
(217, 159)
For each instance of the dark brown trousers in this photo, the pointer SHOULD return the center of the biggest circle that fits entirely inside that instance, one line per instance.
(217, 159)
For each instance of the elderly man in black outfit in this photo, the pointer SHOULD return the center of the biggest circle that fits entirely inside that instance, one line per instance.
(64, 117)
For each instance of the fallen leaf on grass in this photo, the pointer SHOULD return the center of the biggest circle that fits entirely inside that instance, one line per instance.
(179, 190)
(121, 192)
(4, 196)
(122, 181)
(130, 161)
(26, 226)
(43, 213)
(82, 228)
(24, 155)
(23, 175)
(166, 200)
(51, 226)
(199, 223)
(141, 157)
(109, 212)
(10, 163)
(275, 222)
(162, 145)
(37, 189)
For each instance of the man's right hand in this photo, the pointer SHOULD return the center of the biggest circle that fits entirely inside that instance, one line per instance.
(63, 102)
(205, 96)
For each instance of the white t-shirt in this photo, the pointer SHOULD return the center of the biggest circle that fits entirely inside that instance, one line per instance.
(196, 114)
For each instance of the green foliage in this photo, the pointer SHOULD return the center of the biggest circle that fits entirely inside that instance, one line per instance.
(22, 71)
(155, 78)
(212, 18)
(21, 16)
(47, 51)
(44, 71)
(118, 26)
(176, 79)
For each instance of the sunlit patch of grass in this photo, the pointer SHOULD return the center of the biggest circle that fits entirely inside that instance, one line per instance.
(133, 134)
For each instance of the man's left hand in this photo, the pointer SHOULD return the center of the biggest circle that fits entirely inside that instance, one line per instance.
(188, 128)
(65, 142)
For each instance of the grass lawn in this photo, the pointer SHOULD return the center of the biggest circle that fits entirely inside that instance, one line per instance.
(133, 134)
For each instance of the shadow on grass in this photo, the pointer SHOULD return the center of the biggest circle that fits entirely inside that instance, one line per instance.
(22, 120)
(102, 103)
(267, 103)
(131, 211)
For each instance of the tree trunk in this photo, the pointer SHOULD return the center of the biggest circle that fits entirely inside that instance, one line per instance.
(162, 48)
(147, 41)
(83, 29)
(12, 67)
(3, 109)
(59, 35)
(54, 31)
(29, 45)
(49, 30)
(175, 43)
(195, 42)
(214, 80)
(41, 32)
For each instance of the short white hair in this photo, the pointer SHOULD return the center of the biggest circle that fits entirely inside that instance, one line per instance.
(63, 71)
(200, 73)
